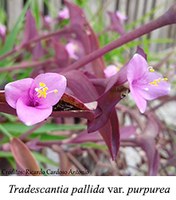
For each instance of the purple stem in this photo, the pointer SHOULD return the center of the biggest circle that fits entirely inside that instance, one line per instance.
(167, 18)
(26, 65)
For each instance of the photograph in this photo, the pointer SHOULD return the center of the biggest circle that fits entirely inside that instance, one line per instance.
(87, 88)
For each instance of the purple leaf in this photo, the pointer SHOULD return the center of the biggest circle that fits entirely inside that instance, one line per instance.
(87, 114)
(38, 51)
(23, 156)
(81, 86)
(116, 23)
(127, 131)
(33, 145)
(5, 108)
(141, 52)
(111, 135)
(148, 143)
(85, 35)
(31, 33)
(86, 137)
(61, 55)
(30, 28)
(149, 146)
(79, 109)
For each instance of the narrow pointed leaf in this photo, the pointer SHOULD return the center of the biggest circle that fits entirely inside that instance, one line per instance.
(30, 27)
(81, 86)
(61, 55)
(149, 146)
(111, 135)
(85, 34)
(116, 24)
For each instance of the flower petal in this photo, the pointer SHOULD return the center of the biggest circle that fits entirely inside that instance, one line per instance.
(136, 68)
(72, 50)
(110, 71)
(64, 13)
(53, 81)
(139, 100)
(16, 89)
(121, 16)
(153, 92)
(2, 30)
(31, 115)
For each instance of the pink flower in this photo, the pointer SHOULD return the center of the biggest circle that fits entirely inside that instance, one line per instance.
(64, 13)
(48, 19)
(72, 49)
(2, 31)
(121, 17)
(33, 98)
(145, 84)
(110, 71)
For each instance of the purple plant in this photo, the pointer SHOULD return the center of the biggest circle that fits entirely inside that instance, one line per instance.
(72, 81)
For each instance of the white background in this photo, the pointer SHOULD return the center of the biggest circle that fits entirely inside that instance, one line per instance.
(125, 182)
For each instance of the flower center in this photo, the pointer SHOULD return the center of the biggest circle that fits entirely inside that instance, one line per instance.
(42, 90)
(157, 81)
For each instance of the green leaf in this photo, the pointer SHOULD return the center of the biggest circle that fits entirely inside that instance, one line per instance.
(80, 3)
(4, 154)
(41, 158)
(51, 8)
(18, 129)
(2, 16)
(4, 140)
(38, 156)
(11, 118)
(5, 132)
(93, 145)
(11, 38)
(46, 137)
(36, 12)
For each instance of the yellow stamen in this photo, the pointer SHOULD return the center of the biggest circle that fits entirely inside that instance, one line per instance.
(55, 91)
(42, 93)
(165, 79)
(157, 81)
(41, 84)
(42, 90)
(150, 68)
